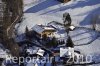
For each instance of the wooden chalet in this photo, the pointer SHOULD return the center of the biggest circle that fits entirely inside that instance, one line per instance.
(44, 30)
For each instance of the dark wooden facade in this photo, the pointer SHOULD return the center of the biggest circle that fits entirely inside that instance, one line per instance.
(64, 1)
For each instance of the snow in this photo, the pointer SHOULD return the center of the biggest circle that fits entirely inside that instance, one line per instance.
(92, 49)
(97, 20)
(66, 51)
(72, 27)
(30, 51)
(81, 36)
(3, 52)
(38, 29)
(82, 12)
(48, 28)
(44, 11)
(40, 52)
(28, 3)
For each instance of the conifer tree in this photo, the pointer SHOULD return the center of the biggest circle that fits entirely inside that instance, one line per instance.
(54, 42)
(26, 30)
(69, 42)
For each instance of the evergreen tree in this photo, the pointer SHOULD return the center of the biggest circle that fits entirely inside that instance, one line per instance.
(26, 32)
(67, 19)
(54, 42)
(69, 42)
(63, 42)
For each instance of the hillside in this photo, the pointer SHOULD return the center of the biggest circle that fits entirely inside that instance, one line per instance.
(83, 13)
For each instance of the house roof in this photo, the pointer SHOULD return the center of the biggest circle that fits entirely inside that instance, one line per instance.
(40, 52)
(40, 28)
(32, 50)
(66, 51)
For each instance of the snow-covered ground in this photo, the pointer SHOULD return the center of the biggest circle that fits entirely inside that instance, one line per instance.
(3, 52)
(43, 11)
(82, 12)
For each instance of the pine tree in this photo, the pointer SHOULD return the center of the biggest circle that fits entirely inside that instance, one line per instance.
(69, 42)
(67, 19)
(54, 42)
(63, 42)
(27, 33)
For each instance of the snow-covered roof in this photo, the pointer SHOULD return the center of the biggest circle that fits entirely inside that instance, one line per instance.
(72, 27)
(48, 28)
(40, 52)
(32, 50)
(40, 28)
(66, 51)
(35, 50)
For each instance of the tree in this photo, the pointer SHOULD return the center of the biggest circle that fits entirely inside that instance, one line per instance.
(54, 42)
(69, 42)
(67, 21)
(28, 33)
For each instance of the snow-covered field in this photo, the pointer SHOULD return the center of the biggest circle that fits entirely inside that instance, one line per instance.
(82, 13)
(43, 11)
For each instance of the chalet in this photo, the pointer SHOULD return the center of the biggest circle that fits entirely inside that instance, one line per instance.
(64, 1)
(44, 30)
